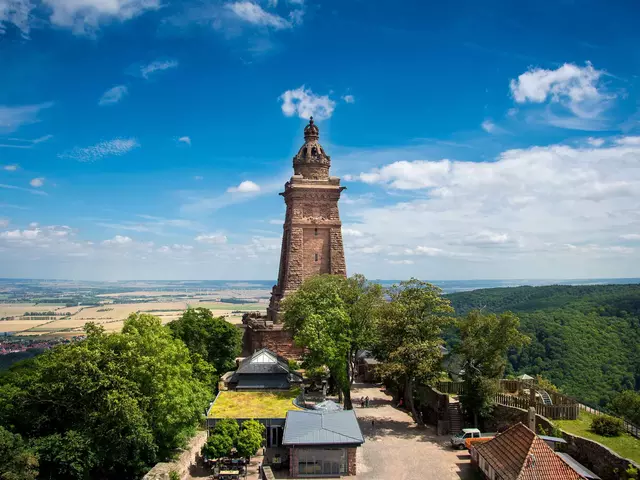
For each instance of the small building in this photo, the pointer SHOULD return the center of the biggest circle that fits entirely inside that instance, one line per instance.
(264, 370)
(367, 366)
(322, 443)
(519, 454)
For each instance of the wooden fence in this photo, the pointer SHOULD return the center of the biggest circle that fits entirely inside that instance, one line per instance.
(554, 412)
(455, 388)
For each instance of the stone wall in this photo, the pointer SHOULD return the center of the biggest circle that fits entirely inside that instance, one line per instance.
(435, 407)
(351, 460)
(293, 462)
(260, 333)
(183, 465)
(596, 457)
(315, 251)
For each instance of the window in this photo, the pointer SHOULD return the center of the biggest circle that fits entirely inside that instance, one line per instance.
(315, 232)
(316, 257)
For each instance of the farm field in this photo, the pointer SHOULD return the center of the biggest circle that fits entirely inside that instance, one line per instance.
(18, 325)
(18, 309)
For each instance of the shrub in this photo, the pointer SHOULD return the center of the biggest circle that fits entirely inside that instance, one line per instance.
(173, 475)
(607, 426)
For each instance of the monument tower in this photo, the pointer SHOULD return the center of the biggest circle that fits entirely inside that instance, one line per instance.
(311, 239)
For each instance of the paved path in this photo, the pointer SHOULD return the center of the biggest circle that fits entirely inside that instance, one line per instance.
(396, 448)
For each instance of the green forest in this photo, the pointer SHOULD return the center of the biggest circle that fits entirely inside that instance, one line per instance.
(584, 339)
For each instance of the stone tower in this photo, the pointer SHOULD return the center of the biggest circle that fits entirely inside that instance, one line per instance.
(312, 236)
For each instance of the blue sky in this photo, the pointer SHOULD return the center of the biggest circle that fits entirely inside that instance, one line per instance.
(149, 139)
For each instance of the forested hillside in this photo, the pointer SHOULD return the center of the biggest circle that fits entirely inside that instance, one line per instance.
(585, 339)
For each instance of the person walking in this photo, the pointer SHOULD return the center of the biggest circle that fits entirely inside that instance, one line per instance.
(366, 401)
(361, 402)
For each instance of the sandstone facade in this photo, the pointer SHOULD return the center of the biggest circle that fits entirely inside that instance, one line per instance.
(311, 239)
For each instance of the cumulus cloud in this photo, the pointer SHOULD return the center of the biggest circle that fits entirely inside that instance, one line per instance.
(212, 238)
(157, 66)
(349, 98)
(519, 211)
(37, 182)
(595, 142)
(245, 187)
(185, 140)
(254, 13)
(10, 168)
(350, 232)
(113, 95)
(489, 127)
(14, 117)
(304, 103)
(578, 89)
(16, 12)
(118, 240)
(116, 147)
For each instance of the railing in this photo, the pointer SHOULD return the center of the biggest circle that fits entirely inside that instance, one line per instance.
(455, 388)
(554, 412)
(630, 428)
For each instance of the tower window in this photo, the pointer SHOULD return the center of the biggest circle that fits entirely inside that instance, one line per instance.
(315, 232)
(316, 257)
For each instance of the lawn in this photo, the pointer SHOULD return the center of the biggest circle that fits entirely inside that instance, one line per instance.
(625, 445)
(232, 404)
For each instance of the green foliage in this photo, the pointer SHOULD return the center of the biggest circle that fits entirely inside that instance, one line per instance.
(213, 338)
(293, 364)
(546, 385)
(218, 445)
(409, 335)
(173, 475)
(334, 318)
(250, 438)
(607, 426)
(627, 405)
(17, 461)
(484, 342)
(585, 339)
(109, 406)
(632, 472)
(227, 427)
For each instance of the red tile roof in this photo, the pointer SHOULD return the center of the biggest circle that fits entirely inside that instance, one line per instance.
(519, 454)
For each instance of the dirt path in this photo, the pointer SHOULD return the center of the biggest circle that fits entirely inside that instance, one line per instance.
(395, 447)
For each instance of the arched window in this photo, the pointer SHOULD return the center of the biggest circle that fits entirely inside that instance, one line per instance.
(314, 151)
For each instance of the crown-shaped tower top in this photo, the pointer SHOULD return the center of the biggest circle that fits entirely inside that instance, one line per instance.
(311, 162)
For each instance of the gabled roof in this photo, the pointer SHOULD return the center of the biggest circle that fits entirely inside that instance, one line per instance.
(519, 454)
(322, 428)
(264, 361)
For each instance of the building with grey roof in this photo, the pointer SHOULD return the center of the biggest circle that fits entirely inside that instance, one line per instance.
(264, 370)
(322, 443)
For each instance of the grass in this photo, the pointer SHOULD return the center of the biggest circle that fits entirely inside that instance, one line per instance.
(625, 445)
(232, 404)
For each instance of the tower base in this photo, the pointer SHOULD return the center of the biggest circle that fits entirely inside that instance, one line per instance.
(260, 333)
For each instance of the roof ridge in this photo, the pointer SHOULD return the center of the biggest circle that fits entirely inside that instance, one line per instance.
(533, 440)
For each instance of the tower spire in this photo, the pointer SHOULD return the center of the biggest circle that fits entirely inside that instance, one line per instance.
(311, 131)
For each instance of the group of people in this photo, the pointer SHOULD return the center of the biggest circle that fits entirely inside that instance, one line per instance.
(364, 401)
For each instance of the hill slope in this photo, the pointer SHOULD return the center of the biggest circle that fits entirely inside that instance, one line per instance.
(585, 339)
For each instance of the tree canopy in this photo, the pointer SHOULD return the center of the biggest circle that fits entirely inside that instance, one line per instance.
(334, 317)
(213, 338)
(109, 406)
(409, 335)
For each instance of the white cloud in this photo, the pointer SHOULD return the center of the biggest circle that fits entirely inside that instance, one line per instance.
(578, 89)
(198, 177)
(186, 140)
(245, 187)
(157, 66)
(304, 103)
(488, 126)
(116, 147)
(212, 238)
(631, 141)
(253, 13)
(37, 182)
(24, 142)
(595, 142)
(113, 95)
(16, 12)
(401, 262)
(349, 98)
(21, 189)
(10, 168)
(518, 211)
(84, 17)
(118, 240)
(12, 118)
(350, 232)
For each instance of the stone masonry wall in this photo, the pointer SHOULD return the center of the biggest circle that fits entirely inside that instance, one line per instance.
(275, 339)
(596, 457)
(315, 242)
(183, 465)
(338, 264)
(294, 275)
(351, 461)
(293, 462)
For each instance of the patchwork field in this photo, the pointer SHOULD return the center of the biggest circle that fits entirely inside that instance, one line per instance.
(110, 316)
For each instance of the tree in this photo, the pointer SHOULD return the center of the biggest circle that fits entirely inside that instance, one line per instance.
(17, 461)
(213, 338)
(485, 341)
(250, 438)
(627, 405)
(333, 318)
(409, 335)
(218, 445)
(228, 427)
(109, 406)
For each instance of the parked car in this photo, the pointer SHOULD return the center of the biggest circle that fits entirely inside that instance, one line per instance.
(458, 441)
